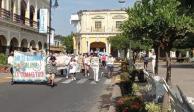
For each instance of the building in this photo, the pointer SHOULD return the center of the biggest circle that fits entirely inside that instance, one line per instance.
(94, 27)
(19, 23)
(58, 46)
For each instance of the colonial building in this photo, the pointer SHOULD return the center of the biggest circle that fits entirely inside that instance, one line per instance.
(94, 27)
(19, 22)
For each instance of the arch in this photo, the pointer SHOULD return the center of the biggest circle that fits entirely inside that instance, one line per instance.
(45, 45)
(3, 43)
(39, 45)
(23, 11)
(13, 44)
(24, 45)
(118, 17)
(32, 11)
(33, 44)
(97, 46)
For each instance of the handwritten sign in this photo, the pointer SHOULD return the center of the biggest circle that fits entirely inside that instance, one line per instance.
(95, 62)
(29, 67)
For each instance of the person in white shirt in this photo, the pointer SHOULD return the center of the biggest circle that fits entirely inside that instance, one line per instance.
(153, 57)
(72, 69)
(87, 64)
(95, 67)
(10, 62)
(110, 63)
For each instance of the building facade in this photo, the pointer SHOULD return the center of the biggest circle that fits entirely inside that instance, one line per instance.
(19, 23)
(94, 27)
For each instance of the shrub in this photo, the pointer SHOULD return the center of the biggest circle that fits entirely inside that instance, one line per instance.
(3, 59)
(125, 84)
(130, 104)
(152, 107)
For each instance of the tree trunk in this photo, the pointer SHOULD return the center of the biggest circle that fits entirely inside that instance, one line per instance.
(166, 102)
(168, 67)
(156, 49)
(125, 53)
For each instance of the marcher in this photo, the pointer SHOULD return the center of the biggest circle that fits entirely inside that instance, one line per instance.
(72, 70)
(10, 62)
(153, 57)
(95, 67)
(110, 64)
(87, 65)
(51, 70)
(145, 58)
(103, 59)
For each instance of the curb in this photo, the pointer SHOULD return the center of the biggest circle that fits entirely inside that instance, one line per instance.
(116, 92)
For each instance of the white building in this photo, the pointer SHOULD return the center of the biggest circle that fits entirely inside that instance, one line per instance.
(19, 25)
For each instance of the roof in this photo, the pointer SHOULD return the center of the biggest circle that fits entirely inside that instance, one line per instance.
(100, 10)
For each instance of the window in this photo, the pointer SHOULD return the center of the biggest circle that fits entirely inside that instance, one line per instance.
(118, 24)
(98, 24)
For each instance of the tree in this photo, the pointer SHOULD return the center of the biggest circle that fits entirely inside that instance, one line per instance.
(159, 22)
(68, 42)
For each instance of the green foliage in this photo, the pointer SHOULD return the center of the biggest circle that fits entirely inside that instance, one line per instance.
(68, 42)
(3, 59)
(152, 107)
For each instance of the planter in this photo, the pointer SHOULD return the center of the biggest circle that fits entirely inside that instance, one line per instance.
(141, 76)
(4, 69)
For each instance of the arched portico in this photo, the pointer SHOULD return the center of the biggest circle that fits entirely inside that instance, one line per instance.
(14, 44)
(24, 45)
(3, 43)
(33, 44)
(45, 46)
(39, 45)
(98, 46)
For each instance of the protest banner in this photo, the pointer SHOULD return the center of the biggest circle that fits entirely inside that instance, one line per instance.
(29, 67)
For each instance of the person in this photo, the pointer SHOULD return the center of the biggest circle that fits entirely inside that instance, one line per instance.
(51, 70)
(72, 70)
(153, 57)
(95, 67)
(110, 63)
(145, 58)
(67, 66)
(87, 64)
(10, 62)
(103, 59)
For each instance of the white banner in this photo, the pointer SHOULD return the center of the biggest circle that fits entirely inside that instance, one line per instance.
(29, 67)
(43, 22)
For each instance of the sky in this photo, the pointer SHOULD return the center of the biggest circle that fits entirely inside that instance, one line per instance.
(61, 15)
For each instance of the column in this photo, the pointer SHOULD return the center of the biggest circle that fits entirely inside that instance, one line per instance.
(18, 7)
(109, 48)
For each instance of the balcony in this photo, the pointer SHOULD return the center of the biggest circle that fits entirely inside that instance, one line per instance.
(98, 30)
(7, 16)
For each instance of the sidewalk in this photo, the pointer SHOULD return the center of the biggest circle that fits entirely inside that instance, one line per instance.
(182, 74)
(5, 77)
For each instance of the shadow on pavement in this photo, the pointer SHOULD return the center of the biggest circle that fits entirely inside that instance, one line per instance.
(179, 65)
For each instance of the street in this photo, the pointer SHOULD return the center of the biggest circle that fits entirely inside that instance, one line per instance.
(82, 95)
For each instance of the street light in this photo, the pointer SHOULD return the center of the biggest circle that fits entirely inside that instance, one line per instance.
(54, 6)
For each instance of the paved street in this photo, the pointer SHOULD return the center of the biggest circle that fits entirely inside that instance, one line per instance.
(182, 75)
(82, 95)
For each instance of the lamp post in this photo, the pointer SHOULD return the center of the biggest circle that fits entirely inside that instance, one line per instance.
(54, 6)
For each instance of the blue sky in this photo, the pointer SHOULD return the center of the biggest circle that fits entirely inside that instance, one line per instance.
(61, 15)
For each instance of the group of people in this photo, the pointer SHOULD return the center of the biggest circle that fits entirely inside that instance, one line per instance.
(70, 65)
